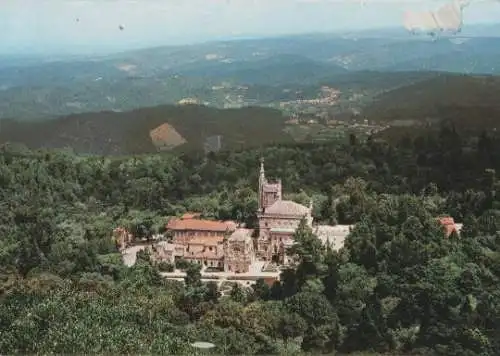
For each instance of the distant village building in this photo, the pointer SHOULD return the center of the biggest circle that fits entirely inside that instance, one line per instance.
(188, 101)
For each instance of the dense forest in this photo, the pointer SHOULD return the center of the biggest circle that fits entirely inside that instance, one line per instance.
(398, 287)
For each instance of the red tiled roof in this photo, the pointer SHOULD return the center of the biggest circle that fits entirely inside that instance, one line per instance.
(199, 225)
(449, 224)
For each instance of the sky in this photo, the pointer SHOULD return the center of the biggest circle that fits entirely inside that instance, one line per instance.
(92, 26)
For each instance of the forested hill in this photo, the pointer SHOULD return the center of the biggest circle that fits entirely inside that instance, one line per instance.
(441, 97)
(398, 287)
(116, 133)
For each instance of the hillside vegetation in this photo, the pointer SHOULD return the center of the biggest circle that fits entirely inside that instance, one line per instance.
(408, 101)
(399, 286)
(468, 101)
(129, 132)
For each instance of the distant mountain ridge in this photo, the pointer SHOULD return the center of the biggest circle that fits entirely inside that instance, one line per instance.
(166, 75)
(276, 70)
(472, 56)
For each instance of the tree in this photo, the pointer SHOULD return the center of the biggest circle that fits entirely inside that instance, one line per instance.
(320, 317)
(310, 253)
(291, 326)
(193, 276)
(193, 300)
(238, 294)
(212, 292)
(261, 290)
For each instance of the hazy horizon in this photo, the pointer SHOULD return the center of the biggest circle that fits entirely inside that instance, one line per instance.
(62, 27)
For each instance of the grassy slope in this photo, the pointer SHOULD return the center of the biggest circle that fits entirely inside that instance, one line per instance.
(128, 132)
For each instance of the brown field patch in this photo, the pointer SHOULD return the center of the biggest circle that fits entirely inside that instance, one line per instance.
(166, 137)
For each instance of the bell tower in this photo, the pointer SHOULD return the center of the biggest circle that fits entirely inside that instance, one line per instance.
(262, 182)
(269, 192)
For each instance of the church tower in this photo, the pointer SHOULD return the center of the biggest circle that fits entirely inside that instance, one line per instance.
(262, 182)
(269, 193)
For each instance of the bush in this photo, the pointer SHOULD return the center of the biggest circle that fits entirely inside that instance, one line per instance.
(182, 264)
(166, 267)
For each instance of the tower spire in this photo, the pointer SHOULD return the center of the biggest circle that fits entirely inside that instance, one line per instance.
(262, 180)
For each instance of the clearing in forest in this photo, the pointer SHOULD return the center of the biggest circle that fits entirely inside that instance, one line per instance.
(166, 137)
